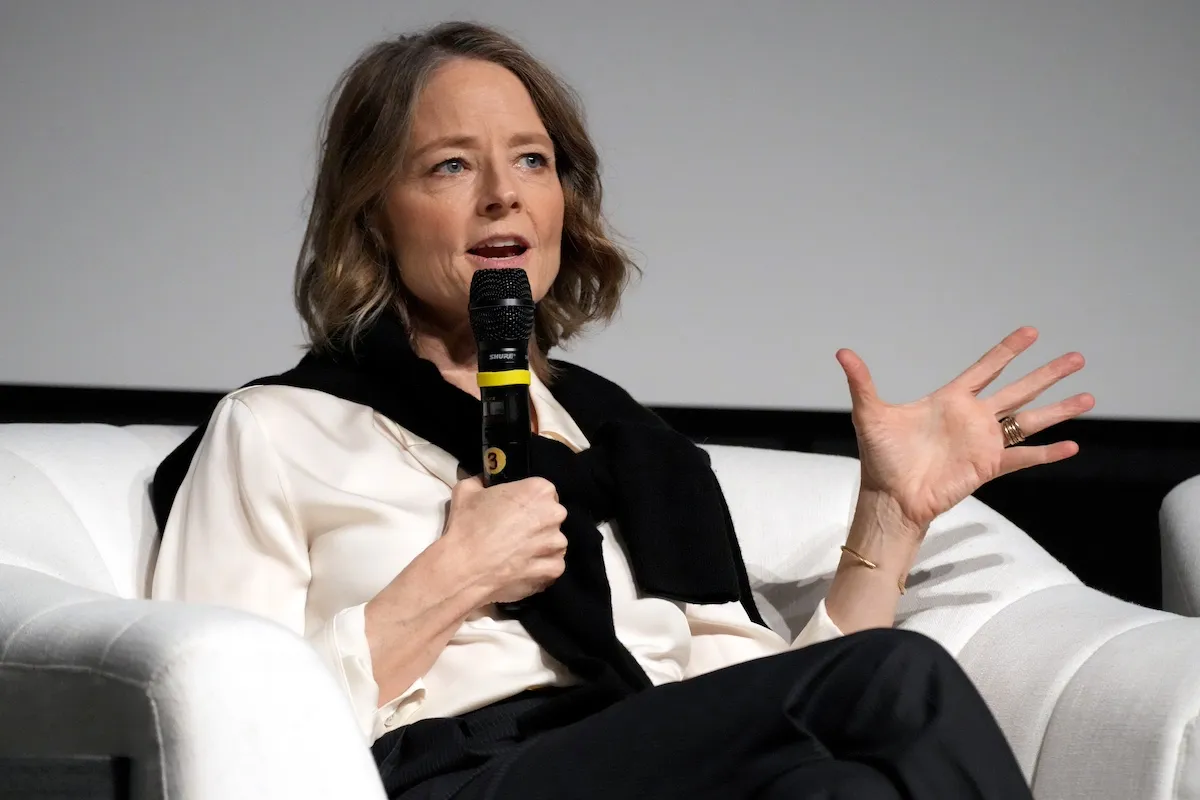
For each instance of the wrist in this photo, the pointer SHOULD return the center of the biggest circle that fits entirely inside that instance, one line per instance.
(455, 576)
(863, 597)
(889, 514)
(882, 533)
(435, 582)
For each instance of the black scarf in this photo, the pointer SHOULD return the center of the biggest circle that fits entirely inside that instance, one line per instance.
(656, 484)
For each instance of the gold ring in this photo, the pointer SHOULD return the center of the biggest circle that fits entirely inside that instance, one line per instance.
(1013, 435)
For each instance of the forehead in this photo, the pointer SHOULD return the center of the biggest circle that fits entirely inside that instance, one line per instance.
(464, 96)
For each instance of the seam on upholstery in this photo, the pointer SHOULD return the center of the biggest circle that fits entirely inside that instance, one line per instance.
(37, 616)
(118, 634)
(71, 668)
(1001, 609)
(158, 740)
(1173, 566)
(1189, 732)
(52, 571)
(41, 471)
(1078, 667)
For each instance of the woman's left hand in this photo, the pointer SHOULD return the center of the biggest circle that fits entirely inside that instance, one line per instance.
(927, 456)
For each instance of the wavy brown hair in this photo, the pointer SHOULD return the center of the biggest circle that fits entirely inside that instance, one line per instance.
(346, 274)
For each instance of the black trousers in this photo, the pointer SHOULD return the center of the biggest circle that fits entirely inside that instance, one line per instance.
(874, 715)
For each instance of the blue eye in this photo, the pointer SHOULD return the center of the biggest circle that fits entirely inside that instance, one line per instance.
(534, 160)
(451, 166)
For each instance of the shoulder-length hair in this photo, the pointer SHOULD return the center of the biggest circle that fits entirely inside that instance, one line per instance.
(346, 274)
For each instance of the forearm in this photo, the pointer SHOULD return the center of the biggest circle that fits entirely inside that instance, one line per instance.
(860, 597)
(411, 621)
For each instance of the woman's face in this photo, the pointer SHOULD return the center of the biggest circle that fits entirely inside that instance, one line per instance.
(478, 188)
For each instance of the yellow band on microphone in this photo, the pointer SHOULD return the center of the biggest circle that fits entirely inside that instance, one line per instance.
(508, 377)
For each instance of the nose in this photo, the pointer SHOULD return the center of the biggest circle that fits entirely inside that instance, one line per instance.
(499, 195)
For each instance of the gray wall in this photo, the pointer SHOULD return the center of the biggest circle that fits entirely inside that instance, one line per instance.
(910, 179)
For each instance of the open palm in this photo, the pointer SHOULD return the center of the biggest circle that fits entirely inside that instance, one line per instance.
(929, 455)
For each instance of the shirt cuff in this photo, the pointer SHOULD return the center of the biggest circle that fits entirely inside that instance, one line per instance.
(343, 643)
(820, 628)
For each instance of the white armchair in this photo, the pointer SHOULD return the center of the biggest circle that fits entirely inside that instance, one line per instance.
(207, 703)
(1179, 528)
(1098, 697)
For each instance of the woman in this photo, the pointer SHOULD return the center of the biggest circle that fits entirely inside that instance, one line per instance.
(341, 498)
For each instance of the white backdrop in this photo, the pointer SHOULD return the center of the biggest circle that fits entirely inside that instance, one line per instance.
(911, 179)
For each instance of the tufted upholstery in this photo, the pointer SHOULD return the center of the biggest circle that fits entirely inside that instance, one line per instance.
(1098, 697)
(210, 704)
(1179, 526)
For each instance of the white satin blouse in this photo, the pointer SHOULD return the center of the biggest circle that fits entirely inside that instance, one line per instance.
(301, 507)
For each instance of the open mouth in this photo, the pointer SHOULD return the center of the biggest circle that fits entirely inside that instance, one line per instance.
(498, 249)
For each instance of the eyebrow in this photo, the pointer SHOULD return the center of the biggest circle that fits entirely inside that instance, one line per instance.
(467, 141)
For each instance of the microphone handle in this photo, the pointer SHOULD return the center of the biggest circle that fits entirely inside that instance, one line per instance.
(506, 433)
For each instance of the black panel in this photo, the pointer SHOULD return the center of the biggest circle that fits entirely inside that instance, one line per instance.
(82, 778)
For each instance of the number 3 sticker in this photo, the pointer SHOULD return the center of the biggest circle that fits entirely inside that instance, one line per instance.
(494, 460)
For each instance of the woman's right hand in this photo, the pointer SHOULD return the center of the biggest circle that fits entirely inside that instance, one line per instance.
(507, 536)
(500, 545)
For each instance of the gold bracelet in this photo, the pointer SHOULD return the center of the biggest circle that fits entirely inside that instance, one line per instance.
(871, 565)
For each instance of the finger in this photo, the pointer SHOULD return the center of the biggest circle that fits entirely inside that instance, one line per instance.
(979, 375)
(1028, 388)
(858, 377)
(551, 544)
(468, 486)
(540, 487)
(556, 516)
(551, 568)
(1019, 458)
(531, 491)
(1036, 420)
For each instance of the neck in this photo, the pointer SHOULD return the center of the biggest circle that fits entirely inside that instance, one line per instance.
(452, 350)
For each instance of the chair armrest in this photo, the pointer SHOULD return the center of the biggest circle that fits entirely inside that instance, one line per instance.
(1098, 697)
(1179, 530)
(209, 704)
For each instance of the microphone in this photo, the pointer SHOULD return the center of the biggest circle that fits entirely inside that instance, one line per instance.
(501, 311)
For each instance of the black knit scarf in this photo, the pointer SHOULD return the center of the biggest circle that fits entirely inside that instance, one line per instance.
(654, 483)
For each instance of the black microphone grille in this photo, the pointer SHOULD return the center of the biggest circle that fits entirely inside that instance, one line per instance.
(501, 305)
(491, 286)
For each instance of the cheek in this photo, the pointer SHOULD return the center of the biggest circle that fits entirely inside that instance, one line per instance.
(429, 224)
(427, 235)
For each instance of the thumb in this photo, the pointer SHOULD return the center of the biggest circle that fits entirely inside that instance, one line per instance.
(858, 377)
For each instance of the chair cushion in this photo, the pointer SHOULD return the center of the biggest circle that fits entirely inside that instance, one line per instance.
(1179, 527)
(75, 501)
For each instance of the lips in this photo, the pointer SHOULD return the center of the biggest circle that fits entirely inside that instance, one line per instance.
(498, 248)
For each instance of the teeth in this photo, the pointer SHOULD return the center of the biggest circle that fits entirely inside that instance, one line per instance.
(497, 243)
